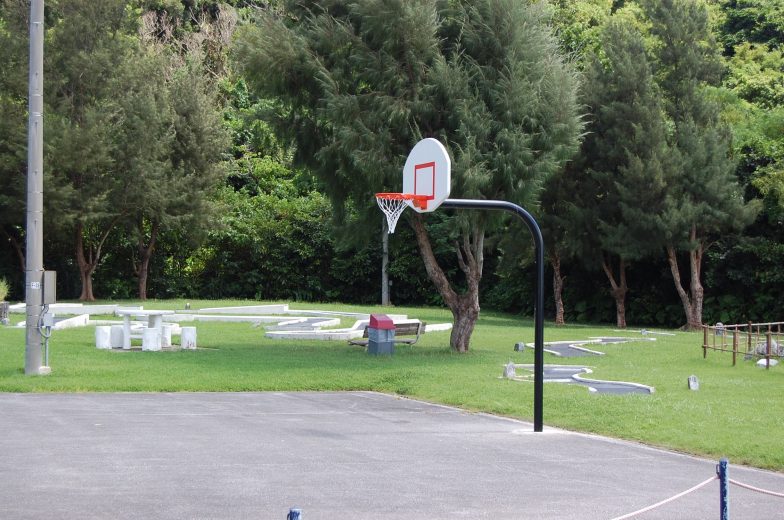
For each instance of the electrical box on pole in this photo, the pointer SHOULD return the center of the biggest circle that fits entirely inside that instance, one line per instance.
(49, 288)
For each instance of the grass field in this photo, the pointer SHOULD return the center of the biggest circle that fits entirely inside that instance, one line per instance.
(737, 413)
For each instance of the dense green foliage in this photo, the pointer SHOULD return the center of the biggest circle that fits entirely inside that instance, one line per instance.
(142, 93)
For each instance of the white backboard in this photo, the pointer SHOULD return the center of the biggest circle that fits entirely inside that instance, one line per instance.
(428, 172)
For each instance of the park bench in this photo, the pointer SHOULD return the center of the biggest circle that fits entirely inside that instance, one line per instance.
(407, 328)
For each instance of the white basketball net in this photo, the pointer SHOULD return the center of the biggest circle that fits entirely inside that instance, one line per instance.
(392, 208)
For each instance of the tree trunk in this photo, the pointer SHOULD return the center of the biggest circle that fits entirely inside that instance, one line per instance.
(464, 307)
(618, 289)
(697, 291)
(558, 283)
(693, 300)
(465, 315)
(145, 253)
(88, 262)
(86, 266)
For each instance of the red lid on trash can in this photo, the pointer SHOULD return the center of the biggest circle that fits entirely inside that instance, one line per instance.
(381, 321)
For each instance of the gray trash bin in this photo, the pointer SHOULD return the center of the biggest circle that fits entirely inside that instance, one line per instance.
(381, 335)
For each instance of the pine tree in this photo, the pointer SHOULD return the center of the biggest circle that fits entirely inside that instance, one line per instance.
(170, 142)
(617, 183)
(360, 82)
(703, 197)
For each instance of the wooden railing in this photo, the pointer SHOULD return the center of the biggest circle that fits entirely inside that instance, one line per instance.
(755, 340)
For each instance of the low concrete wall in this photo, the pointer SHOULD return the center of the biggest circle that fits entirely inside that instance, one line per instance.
(59, 309)
(246, 309)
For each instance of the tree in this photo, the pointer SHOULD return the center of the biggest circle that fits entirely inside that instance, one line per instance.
(756, 112)
(361, 82)
(578, 25)
(85, 51)
(13, 124)
(756, 21)
(132, 133)
(171, 143)
(554, 226)
(617, 182)
(703, 197)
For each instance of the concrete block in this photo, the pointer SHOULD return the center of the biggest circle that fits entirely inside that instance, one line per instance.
(188, 338)
(151, 339)
(166, 335)
(103, 337)
(116, 336)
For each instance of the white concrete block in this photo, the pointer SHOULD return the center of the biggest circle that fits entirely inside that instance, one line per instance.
(166, 335)
(116, 336)
(103, 337)
(151, 339)
(188, 338)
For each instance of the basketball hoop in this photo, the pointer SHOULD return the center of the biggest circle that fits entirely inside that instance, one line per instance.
(393, 204)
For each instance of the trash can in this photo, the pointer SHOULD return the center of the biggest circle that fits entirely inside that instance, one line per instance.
(381, 335)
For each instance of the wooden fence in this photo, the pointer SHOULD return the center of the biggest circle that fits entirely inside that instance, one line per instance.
(752, 340)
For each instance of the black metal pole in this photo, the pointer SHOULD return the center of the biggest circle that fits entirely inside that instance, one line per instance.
(539, 303)
(724, 488)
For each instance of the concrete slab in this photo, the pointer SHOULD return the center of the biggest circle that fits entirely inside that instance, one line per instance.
(246, 309)
(72, 308)
(313, 323)
(319, 335)
(571, 374)
(61, 322)
(353, 455)
(575, 348)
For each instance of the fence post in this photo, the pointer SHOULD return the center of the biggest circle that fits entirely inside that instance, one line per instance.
(767, 350)
(724, 487)
(734, 346)
(704, 341)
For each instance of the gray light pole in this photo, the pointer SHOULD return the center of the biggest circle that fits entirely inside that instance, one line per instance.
(35, 192)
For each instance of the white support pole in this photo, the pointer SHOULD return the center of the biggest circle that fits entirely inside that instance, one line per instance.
(34, 270)
(384, 263)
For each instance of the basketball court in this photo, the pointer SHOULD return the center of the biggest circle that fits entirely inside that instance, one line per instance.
(352, 455)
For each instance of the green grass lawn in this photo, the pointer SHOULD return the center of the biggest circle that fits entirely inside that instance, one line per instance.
(737, 413)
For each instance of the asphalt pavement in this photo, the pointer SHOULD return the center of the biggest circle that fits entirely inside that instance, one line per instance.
(342, 456)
